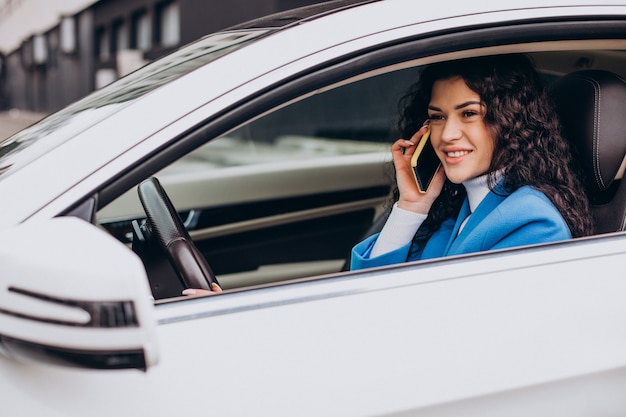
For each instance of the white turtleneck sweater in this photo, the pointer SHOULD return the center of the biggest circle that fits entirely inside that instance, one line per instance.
(402, 224)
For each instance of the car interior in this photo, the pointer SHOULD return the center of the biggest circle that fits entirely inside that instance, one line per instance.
(287, 193)
(589, 106)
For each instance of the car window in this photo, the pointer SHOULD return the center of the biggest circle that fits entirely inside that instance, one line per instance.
(286, 194)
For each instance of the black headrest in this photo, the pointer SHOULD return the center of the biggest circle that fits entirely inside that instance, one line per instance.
(592, 108)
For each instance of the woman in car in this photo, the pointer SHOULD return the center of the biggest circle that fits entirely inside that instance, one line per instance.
(507, 176)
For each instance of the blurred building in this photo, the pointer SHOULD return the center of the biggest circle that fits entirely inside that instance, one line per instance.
(53, 52)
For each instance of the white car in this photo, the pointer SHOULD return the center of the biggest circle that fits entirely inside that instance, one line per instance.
(272, 141)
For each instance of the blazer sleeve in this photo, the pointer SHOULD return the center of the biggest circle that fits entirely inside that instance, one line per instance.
(360, 258)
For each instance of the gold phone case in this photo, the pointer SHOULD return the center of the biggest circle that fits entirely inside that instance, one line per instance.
(425, 163)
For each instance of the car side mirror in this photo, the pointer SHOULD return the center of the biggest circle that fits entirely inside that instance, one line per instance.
(71, 294)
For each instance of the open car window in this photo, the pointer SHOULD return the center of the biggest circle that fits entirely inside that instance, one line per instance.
(288, 193)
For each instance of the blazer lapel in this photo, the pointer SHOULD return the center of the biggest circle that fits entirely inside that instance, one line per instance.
(463, 213)
(489, 203)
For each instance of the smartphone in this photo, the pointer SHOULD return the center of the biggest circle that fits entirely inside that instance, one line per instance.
(425, 163)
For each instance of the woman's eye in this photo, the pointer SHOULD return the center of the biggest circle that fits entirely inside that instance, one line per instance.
(469, 113)
(432, 117)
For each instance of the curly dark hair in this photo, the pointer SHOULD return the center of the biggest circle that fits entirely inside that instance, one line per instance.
(529, 148)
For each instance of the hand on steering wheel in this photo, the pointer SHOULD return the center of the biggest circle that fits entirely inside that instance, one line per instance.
(195, 292)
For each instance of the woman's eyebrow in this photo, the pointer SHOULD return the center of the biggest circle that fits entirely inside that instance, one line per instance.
(458, 106)
(467, 103)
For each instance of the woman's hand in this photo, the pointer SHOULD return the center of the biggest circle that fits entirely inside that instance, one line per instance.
(196, 292)
(410, 198)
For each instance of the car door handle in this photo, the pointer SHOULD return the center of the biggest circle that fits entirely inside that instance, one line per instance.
(192, 219)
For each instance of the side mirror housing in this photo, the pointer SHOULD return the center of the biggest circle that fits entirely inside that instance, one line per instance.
(71, 294)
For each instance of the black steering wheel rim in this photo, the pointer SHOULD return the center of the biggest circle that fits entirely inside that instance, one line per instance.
(168, 229)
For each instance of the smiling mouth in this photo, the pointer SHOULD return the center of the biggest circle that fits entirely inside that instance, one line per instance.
(457, 154)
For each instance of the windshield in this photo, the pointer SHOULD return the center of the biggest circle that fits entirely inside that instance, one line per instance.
(30, 143)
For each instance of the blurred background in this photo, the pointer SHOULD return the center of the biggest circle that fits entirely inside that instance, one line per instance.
(53, 52)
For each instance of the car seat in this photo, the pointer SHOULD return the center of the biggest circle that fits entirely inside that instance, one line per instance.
(590, 105)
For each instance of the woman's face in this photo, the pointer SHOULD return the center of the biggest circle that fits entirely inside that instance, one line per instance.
(458, 132)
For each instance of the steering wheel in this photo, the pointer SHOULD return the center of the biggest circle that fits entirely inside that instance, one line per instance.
(167, 227)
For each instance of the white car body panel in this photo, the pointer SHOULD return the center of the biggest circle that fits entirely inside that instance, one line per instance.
(441, 364)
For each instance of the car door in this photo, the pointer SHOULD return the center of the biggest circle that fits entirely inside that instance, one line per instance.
(524, 332)
(451, 344)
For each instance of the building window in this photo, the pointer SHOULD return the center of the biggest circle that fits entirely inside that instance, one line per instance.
(142, 27)
(169, 24)
(103, 46)
(120, 36)
(40, 49)
(69, 36)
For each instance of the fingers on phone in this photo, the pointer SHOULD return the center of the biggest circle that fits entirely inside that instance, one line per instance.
(403, 146)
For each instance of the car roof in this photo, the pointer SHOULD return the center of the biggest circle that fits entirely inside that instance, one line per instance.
(300, 15)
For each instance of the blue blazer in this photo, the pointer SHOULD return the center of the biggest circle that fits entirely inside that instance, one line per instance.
(524, 217)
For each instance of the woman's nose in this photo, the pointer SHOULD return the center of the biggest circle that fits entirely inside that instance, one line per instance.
(451, 130)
